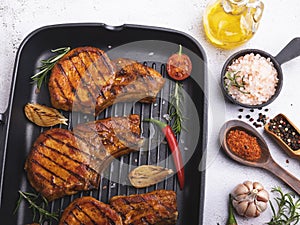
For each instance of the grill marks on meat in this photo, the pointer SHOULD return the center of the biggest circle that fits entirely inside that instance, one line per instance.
(77, 78)
(55, 165)
(136, 81)
(87, 210)
(155, 208)
(106, 145)
(62, 162)
(86, 80)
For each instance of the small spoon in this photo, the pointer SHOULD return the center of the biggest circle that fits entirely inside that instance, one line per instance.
(265, 161)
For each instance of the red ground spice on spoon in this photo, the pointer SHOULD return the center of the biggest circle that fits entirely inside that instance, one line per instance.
(243, 145)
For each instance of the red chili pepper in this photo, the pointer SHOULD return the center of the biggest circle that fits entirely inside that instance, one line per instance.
(173, 144)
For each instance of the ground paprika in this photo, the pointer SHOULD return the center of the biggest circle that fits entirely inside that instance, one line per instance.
(243, 145)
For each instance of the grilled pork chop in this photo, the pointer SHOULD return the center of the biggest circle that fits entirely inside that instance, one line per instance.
(87, 210)
(155, 208)
(86, 80)
(62, 162)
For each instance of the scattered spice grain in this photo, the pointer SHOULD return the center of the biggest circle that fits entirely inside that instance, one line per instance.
(257, 124)
(261, 119)
(244, 145)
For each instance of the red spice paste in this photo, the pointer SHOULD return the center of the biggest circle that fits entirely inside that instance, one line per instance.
(243, 145)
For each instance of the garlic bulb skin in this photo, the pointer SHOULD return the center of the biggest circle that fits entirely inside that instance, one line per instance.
(250, 199)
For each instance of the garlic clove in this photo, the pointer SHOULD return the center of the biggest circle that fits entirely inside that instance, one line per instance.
(251, 210)
(44, 116)
(261, 206)
(241, 197)
(147, 175)
(258, 186)
(240, 207)
(263, 195)
(249, 185)
(239, 189)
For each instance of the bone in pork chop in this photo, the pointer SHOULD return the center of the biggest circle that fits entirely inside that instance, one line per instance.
(154, 208)
(86, 80)
(63, 162)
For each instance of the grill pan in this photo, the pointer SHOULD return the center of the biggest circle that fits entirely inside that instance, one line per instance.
(149, 45)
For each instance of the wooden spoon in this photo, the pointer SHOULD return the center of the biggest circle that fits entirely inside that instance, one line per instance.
(265, 161)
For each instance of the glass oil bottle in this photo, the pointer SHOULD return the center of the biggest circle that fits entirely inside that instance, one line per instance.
(231, 23)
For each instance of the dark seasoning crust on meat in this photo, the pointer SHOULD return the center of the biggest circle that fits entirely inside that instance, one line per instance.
(157, 207)
(154, 208)
(86, 80)
(62, 162)
(87, 210)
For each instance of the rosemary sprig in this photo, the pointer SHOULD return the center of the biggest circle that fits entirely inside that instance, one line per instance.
(175, 108)
(232, 77)
(48, 64)
(39, 209)
(288, 212)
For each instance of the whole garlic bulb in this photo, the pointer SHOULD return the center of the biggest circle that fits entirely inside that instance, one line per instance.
(249, 199)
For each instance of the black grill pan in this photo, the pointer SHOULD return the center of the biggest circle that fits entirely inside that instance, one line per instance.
(149, 45)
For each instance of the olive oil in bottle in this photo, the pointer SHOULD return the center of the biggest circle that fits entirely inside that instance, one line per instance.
(230, 23)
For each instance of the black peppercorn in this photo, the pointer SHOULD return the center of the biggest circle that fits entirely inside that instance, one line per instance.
(283, 129)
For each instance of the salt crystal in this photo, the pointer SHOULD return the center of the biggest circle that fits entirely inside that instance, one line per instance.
(258, 76)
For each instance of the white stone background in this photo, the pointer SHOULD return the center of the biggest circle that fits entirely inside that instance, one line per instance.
(280, 24)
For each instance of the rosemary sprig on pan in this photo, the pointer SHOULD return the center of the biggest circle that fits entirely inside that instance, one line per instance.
(38, 208)
(48, 64)
(175, 108)
(288, 210)
(232, 77)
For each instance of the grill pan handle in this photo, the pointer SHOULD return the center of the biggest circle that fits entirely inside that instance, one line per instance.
(114, 28)
(289, 52)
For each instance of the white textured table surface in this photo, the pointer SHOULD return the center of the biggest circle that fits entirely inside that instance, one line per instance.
(280, 23)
